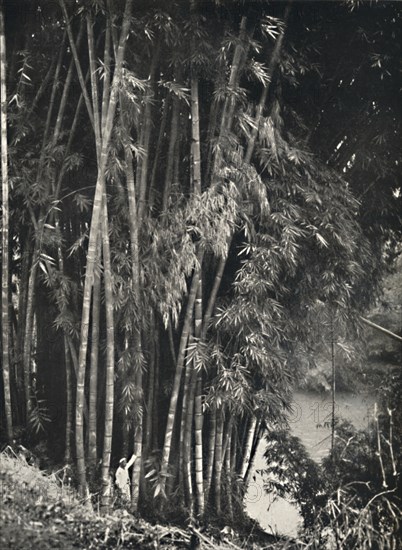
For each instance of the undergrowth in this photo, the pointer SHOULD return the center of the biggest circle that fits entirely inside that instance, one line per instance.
(43, 511)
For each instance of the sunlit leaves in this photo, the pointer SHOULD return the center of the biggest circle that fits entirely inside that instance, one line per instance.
(177, 89)
(271, 26)
(198, 354)
(258, 71)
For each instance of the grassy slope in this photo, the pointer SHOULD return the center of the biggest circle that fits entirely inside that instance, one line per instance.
(39, 512)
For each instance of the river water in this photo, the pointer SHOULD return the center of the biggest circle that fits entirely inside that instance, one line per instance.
(310, 422)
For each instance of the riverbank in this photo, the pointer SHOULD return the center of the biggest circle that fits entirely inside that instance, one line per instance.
(310, 421)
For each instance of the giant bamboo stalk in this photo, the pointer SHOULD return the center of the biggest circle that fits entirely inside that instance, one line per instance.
(211, 451)
(5, 320)
(22, 302)
(158, 149)
(218, 460)
(199, 468)
(150, 394)
(228, 450)
(196, 154)
(155, 410)
(187, 440)
(93, 373)
(104, 243)
(69, 403)
(138, 433)
(171, 154)
(147, 138)
(182, 432)
(67, 366)
(109, 393)
(135, 263)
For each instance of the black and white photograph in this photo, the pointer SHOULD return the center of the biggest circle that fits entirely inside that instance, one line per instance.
(201, 275)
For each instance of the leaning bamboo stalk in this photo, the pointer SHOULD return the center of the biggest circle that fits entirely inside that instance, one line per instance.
(106, 75)
(93, 378)
(248, 447)
(67, 150)
(158, 149)
(273, 62)
(51, 105)
(171, 154)
(94, 84)
(142, 188)
(66, 89)
(233, 82)
(259, 433)
(381, 329)
(250, 148)
(167, 446)
(213, 294)
(42, 87)
(77, 62)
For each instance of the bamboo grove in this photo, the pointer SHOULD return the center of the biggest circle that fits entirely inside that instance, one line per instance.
(181, 198)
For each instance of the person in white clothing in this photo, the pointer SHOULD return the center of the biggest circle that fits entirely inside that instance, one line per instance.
(122, 478)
